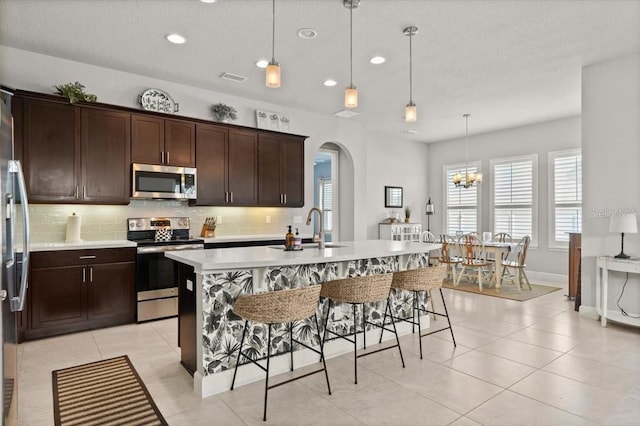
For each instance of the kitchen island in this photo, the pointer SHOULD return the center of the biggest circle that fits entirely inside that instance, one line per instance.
(211, 280)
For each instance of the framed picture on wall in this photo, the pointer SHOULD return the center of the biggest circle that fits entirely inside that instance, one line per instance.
(393, 196)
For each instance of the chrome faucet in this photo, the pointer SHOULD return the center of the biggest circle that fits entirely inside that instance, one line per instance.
(320, 239)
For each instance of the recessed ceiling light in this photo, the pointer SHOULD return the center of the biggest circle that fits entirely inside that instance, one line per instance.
(176, 39)
(208, 1)
(262, 63)
(330, 82)
(377, 60)
(410, 132)
(307, 33)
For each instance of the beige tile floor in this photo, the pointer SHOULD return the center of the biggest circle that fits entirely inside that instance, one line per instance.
(517, 363)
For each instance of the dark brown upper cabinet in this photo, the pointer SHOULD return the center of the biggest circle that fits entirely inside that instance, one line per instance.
(75, 154)
(158, 140)
(227, 166)
(280, 170)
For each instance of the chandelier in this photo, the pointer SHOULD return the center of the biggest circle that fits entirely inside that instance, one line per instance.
(468, 179)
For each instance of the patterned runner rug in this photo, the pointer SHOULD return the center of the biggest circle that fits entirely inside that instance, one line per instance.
(107, 392)
(507, 290)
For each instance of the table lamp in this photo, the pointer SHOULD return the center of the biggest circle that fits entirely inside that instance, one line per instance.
(430, 210)
(624, 224)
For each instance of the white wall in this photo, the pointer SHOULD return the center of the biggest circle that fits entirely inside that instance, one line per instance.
(611, 172)
(359, 213)
(538, 139)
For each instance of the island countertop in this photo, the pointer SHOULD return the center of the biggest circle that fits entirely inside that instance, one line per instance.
(269, 256)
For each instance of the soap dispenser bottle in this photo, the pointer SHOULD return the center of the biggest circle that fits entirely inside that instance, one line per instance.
(289, 240)
(297, 241)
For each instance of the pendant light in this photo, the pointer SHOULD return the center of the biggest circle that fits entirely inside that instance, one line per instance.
(273, 68)
(469, 178)
(411, 110)
(351, 92)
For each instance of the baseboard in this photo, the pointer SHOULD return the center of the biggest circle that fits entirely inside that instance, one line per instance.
(589, 312)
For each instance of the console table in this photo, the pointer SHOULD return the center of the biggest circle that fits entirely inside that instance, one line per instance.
(604, 264)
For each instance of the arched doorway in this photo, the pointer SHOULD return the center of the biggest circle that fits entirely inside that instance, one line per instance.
(333, 191)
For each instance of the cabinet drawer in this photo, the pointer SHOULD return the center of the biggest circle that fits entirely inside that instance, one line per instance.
(50, 259)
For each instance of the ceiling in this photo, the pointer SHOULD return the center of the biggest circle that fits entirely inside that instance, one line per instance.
(507, 63)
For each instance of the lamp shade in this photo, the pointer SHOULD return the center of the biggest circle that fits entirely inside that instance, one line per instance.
(272, 76)
(626, 224)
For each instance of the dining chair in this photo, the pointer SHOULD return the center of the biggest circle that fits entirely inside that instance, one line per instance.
(450, 255)
(427, 237)
(519, 265)
(474, 257)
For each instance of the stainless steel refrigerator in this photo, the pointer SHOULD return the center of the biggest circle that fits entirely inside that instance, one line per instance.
(15, 259)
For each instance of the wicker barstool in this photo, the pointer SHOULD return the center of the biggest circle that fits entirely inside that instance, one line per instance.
(359, 291)
(279, 307)
(418, 281)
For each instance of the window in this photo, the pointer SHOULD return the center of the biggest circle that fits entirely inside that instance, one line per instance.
(326, 203)
(514, 192)
(565, 196)
(462, 204)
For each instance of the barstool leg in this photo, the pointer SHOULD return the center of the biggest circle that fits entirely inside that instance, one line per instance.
(266, 382)
(384, 320)
(291, 343)
(395, 331)
(364, 326)
(448, 320)
(415, 306)
(235, 371)
(326, 374)
(355, 345)
(416, 311)
(326, 326)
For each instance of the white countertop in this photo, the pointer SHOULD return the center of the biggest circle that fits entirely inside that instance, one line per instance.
(80, 245)
(212, 260)
(236, 238)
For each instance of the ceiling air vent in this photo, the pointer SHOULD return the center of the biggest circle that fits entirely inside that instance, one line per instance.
(345, 113)
(233, 77)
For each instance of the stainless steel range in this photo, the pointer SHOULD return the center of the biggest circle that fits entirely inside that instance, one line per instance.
(156, 275)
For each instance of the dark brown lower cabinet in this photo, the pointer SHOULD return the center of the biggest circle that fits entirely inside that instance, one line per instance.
(77, 290)
(188, 336)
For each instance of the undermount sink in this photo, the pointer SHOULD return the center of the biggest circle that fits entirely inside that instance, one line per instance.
(311, 246)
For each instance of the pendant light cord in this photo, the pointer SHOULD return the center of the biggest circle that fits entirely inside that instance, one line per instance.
(273, 32)
(410, 68)
(466, 155)
(351, 44)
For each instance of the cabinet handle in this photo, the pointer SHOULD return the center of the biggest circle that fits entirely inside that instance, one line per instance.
(84, 192)
(285, 198)
(231, 197)
(87, 257)
(77, 191)
(91, 274)
(161, 157)
(168, 161)
(84, 275)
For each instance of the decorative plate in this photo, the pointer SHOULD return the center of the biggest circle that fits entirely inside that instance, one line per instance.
(158, 101)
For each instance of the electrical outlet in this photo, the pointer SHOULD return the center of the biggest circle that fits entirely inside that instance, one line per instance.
(218, 220)
(267, 219)
(297, 219)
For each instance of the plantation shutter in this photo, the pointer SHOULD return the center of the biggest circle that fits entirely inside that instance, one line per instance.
(513, 197)
(462, 203)
(567, 191)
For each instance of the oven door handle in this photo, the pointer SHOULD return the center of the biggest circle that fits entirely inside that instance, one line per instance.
(160, 249)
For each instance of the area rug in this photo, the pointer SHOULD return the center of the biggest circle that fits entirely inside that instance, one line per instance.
(507, 290)
(107, 392)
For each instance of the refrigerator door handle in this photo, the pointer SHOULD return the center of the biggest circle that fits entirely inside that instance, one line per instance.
(17, 303)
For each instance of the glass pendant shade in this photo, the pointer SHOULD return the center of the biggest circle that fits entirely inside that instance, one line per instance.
(410, 112)
(273, 75)
(351, 96)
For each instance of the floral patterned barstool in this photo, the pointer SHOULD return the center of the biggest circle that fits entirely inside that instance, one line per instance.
(279, 307)
(360, 290)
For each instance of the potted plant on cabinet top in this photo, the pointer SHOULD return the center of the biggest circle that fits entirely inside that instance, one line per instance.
(407, 214)
(75, 92)
(223, 113)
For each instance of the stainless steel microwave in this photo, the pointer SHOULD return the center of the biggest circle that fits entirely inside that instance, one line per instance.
(164, 182)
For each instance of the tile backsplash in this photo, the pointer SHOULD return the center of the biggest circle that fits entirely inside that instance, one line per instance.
(48, 222)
